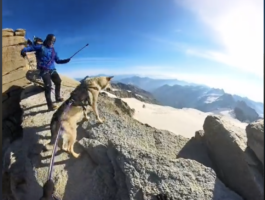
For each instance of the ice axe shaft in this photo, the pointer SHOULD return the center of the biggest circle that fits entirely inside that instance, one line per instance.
(79, 50)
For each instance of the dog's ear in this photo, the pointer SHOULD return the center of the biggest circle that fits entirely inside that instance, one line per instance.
(109, 78)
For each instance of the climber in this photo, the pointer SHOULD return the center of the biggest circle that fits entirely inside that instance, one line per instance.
(46, 56)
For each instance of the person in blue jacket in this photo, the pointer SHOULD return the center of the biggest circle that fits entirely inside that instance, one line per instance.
(46, 57)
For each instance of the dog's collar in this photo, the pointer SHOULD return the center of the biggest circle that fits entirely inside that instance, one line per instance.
(73, 102)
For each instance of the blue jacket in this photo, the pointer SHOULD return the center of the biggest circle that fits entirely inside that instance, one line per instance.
(45, 56)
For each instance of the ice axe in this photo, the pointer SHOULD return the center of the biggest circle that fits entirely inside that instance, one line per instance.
(79, 50)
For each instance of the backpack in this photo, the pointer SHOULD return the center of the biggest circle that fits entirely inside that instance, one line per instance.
(37, 40)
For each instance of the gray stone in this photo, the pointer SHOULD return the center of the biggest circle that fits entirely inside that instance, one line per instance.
(227, 145)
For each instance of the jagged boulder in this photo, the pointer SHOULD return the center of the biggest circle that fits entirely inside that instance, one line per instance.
(124, 107)
(120, 159)
(140, 173)
(236, 167)
(255, 135)
(14, 68)
(244, 113)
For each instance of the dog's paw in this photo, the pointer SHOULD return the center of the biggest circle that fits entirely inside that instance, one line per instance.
(101, 121)
(85, 118)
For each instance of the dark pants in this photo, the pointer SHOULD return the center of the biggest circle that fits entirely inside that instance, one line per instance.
(48, 78)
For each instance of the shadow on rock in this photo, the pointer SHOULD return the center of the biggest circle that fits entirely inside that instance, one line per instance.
(234, 163)
(194, 149)
(82, 172)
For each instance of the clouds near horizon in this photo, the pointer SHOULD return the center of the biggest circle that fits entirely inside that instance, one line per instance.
(238, 26)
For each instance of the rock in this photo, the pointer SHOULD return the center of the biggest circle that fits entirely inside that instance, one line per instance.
(234, 165)
(20, 32)
(31, 60)
(11, 129)
(11, 102)
(23, 82)
(120, 159)
(7, 32)
(15, 176)
(199, 135)
(124, 107)
(10, 55)
(15, 40)
(15, 75)
(255, 135)
(69, 82)
(147, 174)
(14, 69)
(96, 150)
(244, 113)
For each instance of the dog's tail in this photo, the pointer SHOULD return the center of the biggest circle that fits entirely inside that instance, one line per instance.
(72, 141)
(76, 155)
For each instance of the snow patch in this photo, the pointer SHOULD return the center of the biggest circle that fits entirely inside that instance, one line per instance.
(224, 112)
(109, 94)
(114, 89)
(211, 99)
(139, 96)
(173, 119)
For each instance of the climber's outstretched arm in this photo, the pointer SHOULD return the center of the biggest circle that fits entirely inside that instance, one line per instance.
(30, 48)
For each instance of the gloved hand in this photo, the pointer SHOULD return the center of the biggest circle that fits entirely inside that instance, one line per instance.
(67, 60)
(29, 42)
(23, 54)
(63, 61)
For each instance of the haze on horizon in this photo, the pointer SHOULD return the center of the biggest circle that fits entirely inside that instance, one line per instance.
(216, 43)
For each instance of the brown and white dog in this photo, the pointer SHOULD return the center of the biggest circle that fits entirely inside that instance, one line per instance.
(88, 90)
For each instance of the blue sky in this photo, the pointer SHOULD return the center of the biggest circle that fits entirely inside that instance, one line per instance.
(216, 43)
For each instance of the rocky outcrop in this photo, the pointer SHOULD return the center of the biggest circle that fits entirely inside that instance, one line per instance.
(124, 107)
(14, 68)
(234, 164)
(255, 135)
(244, 113)
(122, 90)
(120, 159)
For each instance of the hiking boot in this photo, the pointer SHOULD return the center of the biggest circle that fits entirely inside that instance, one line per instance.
(52, 108)
(60, 99)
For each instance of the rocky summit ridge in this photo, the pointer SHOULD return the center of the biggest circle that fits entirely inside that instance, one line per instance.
(124, 159)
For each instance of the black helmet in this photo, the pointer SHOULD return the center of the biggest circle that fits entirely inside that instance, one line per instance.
(50, 38)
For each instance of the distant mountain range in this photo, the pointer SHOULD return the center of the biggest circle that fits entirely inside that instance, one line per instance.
(181, 94)
(207, 100)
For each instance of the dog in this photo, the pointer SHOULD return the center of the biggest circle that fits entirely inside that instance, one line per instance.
(84, 99)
